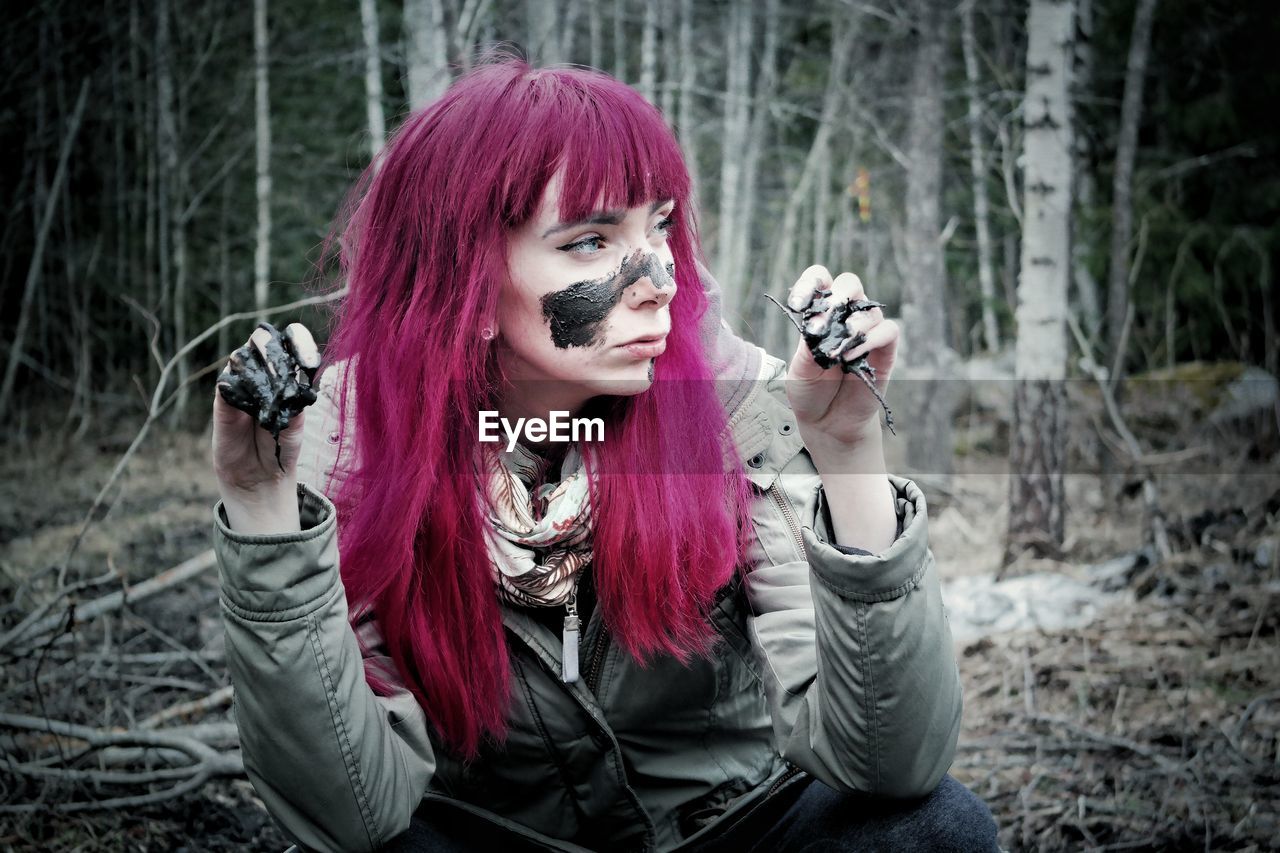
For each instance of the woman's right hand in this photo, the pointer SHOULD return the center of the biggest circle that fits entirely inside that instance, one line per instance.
(258, 493)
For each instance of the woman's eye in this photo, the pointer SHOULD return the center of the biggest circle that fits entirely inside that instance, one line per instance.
(585, 246)
(664, 225)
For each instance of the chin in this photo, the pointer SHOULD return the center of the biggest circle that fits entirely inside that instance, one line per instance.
(626, 384)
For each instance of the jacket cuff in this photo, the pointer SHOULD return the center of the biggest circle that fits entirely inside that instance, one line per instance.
(279, 576)
(858, 574)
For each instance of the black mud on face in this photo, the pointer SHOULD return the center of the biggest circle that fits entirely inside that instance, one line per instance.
(577, 312)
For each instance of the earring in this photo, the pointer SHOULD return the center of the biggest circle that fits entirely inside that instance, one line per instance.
(487, 333)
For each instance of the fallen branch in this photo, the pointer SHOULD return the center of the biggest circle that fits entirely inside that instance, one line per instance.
(111, 602)
(217, 699)
(206, 763)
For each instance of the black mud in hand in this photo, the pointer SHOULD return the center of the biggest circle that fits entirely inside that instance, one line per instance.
(828, 346)
(269, 378)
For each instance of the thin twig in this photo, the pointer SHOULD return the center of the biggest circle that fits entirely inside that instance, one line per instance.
(155, 409)
(1115, 741)
(216, 699)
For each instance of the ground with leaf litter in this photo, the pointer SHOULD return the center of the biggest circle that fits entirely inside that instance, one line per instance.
(1152, 727)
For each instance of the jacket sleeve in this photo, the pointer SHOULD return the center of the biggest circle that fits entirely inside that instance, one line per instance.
(337, 766)
(855, 649)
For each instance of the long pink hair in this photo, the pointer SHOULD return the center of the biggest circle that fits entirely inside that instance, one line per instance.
(423, 250)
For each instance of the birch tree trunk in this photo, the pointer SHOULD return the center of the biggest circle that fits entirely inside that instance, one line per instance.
(669, 81)
(224, 268)
(37, 253)
(173, 243)
(473, 23)
(978, 167)
(166, 148)
(1036, 503)
(572, 11)
(373, 77)
(649, 52)
(688, 82)
(180, 280)
(426, 51)
(595, 51)
(821, 208)
(734, 140)
(543, 19)
(619, 39)
(1122, 186)
(748, 276)
(786, 265)
(1090, 305)
(929, 399)
(262, 251)
(146, 153)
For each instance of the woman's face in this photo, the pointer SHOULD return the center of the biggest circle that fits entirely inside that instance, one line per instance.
(585, 309)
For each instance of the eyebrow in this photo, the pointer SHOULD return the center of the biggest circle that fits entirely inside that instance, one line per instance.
(606, 217)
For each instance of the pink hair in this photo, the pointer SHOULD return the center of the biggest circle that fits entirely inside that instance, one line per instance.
(424, 252)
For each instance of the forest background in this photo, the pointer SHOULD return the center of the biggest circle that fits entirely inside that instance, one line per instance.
(174, 169)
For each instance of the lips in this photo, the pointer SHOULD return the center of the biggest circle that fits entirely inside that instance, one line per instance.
(650, 339)
(642, 348)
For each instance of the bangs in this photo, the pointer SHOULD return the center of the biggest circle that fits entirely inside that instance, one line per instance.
(613, 146)
(619, 155)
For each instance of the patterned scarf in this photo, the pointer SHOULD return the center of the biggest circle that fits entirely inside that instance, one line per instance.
(540, 541)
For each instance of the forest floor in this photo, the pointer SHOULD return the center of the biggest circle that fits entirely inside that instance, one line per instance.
(1153, 727)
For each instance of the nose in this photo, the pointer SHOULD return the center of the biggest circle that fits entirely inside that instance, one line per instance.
(654, 284)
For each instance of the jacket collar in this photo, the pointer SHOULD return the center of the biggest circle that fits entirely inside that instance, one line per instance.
(762, 426)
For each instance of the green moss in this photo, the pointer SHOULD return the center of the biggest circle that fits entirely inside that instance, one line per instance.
(1201, 383)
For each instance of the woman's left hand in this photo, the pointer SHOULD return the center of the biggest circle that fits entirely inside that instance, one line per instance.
(836, 410)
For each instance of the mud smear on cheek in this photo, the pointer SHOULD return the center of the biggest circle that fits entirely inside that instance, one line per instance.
(577, 313)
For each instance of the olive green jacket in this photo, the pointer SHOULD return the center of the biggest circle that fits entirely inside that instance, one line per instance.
(833, 663)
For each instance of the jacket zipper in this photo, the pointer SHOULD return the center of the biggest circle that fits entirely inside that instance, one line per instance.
(788, 515)
(597, 655)
(790, 773)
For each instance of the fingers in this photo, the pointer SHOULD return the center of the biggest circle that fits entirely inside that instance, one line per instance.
(847, 287)
(279, 353)
(805, 368)
(862, 321)
(880, 334)
(825, 299)
(260, 343)
(264, 378)
(814, 280)
(299, 344)
(839, 322)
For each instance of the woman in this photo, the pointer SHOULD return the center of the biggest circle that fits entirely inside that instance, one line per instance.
(647, 641)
